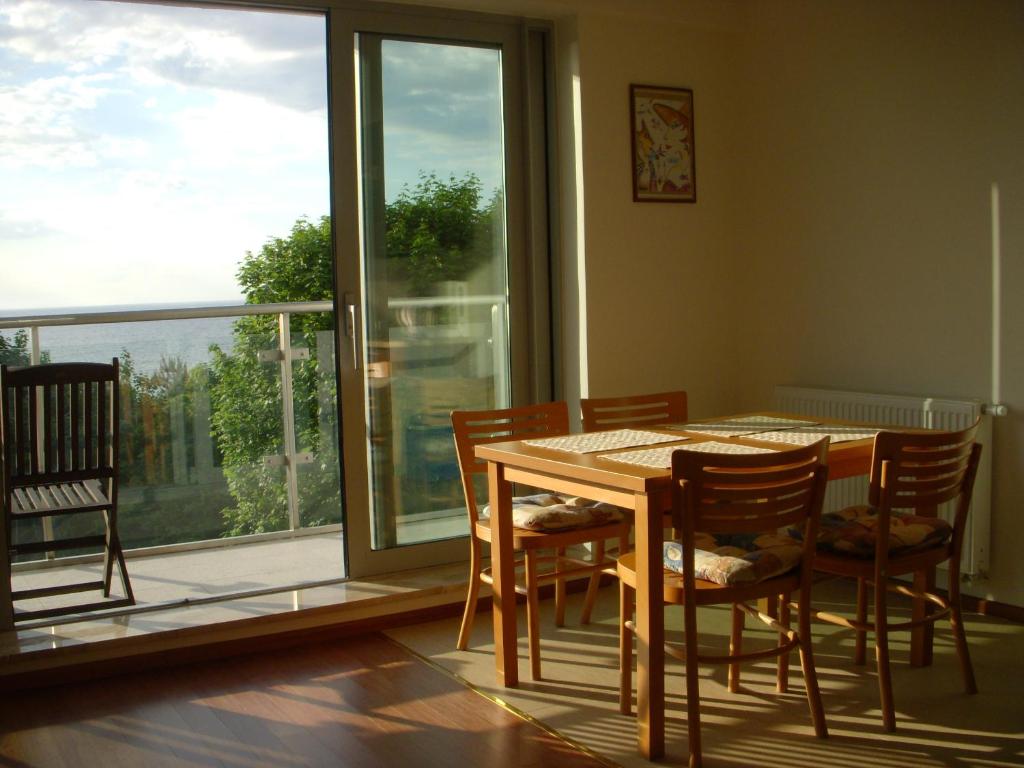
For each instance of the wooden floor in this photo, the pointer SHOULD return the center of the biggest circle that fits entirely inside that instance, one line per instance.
(365, 701)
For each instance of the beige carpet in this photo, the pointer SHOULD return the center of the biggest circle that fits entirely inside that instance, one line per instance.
(937, 723)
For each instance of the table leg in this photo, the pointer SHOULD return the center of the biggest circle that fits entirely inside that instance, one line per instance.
(650, 631)
(503, 571)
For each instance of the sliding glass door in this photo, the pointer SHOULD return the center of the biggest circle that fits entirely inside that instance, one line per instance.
(427, 281)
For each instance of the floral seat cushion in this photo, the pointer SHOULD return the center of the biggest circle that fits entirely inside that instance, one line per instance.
(731, 560)
(854, 531)
(550, 512)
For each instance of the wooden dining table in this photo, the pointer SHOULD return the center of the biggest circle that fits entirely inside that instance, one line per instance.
(644, 490)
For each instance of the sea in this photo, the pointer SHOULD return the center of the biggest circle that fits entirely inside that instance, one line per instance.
(148, 342)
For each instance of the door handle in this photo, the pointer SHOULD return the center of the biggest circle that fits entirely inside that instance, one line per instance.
(352, 327)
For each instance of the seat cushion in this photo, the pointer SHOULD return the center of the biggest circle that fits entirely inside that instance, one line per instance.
(551, 512)
(854, 531)
(732, 560)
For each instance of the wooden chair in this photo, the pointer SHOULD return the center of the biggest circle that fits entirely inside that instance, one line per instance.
(633, 411)
(59, 431)
(914, 472)
(530, 422)
(737, 495)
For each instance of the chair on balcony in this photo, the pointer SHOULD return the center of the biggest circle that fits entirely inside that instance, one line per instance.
(911, 474)
(59, 432)
(730, 509)
(633, 411)
(543, 521)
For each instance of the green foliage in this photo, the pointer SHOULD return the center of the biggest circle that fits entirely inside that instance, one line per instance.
(438, 231)
(17, 349)
(246, 407)
(296, 268)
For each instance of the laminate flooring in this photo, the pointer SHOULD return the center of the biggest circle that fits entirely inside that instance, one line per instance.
(358, 702)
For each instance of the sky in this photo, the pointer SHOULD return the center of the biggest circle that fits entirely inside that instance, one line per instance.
(145, 148)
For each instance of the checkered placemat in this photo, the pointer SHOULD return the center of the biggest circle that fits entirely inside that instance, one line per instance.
(610, 440)
(808, 435)
(743, 425)
(661, 458)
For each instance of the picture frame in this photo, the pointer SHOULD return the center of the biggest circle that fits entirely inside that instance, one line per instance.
(664, 157)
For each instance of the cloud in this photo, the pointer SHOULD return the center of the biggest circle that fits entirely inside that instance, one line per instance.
(274, 55)
(14, 227)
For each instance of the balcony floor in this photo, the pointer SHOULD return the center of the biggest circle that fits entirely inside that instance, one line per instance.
(201, 574)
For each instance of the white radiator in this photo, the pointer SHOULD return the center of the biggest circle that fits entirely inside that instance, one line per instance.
(905, 411)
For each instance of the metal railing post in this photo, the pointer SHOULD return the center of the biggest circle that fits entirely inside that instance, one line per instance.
(291, 463)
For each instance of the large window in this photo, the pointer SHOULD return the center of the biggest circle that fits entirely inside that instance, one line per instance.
(196, 190)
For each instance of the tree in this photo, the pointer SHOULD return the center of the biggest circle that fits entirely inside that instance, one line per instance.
(245, 393)
(17, 351)
(436, 231)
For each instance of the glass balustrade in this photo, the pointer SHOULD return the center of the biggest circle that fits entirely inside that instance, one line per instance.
(229, 423)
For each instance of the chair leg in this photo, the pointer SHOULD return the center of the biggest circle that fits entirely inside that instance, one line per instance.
(882, 656)
(809, 671)
(125, 583)
(782, 673)
(594, 584)
(533, 613)
(625, 649)
(956, 621)
(736, 646)
(108, 557)
(692, 683)
(861, 636)
(472, 594)
(559, 589)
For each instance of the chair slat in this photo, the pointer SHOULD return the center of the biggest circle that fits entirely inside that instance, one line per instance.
(101, 423)
(33, 432)
(49, 458)
(87, 436)
(62, 443)
(75, 404)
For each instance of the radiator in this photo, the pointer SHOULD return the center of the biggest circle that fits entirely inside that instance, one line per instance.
(906, 411)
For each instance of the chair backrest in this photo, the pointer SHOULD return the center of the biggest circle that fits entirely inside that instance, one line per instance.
(749, 493)
(473, 428)
(59, 422)
(633, 411)
(920, 470)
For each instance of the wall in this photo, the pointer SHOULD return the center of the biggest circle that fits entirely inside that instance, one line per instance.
(871, 136)
(659, 276)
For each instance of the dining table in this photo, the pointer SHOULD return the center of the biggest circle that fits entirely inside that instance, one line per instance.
(629, 469)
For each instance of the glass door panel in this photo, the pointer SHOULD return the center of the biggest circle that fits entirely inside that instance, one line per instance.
(434, 271)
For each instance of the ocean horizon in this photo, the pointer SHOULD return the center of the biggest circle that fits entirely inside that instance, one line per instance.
(147, 342)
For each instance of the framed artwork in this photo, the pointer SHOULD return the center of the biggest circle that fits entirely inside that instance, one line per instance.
(661, 126)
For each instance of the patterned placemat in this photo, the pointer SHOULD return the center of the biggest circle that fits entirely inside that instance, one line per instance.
(661, 458)
(743, 425)
(610, 440)
(808, 435)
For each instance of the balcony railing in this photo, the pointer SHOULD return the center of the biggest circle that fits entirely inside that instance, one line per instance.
(228, 417)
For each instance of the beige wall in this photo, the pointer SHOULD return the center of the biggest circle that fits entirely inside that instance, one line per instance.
(842, 235)
(872, 133)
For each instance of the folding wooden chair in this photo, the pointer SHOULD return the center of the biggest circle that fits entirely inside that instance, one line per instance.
(59, 431)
